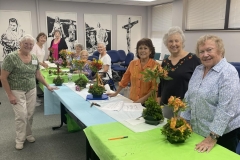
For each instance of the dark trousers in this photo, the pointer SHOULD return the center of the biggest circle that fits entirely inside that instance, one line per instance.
(230, 140)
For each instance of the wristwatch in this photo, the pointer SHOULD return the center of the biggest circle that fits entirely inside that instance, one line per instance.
(214, 136)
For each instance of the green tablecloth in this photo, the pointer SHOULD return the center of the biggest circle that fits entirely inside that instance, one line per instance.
(149, 145)
(49, 79)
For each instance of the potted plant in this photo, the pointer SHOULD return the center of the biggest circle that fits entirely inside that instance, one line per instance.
(81, 81)
(97, 88)
(177, 130)
(51, 50)
(153, 111)
(58, 80)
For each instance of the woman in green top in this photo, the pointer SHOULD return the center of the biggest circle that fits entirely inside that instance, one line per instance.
(18, 75)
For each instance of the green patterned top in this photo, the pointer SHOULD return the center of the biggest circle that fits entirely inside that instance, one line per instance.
(22, 75)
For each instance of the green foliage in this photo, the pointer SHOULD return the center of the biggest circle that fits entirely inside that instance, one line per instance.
(81, 81)
(153, 109)
(96, 89)
(175, 135)
(58, 80)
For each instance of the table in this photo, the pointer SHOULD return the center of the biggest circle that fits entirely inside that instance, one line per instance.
(149, 145)
(49, 79)
(143, 145)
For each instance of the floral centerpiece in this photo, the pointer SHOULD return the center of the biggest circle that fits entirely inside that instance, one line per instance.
(177, 130)
(65, 55)
(58, 80)
(153, 112)
(82, 80)
(97, 88)
(51, 50)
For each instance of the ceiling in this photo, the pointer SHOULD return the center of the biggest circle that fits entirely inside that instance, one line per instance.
(122, 2)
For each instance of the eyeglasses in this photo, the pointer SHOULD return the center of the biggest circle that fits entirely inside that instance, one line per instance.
(208, 50)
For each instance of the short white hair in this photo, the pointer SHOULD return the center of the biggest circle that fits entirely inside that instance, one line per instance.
(104, 45)
(171, 31)
(27, 37)
(78, 45)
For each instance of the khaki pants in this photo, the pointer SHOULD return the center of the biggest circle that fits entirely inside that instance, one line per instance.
(24, 110)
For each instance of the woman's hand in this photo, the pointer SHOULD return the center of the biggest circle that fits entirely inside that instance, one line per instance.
(12, 99)
(112, 94)
(45, 65)
(206, 145)
(50, 88)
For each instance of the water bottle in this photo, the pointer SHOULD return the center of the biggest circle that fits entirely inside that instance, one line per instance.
(69, 78)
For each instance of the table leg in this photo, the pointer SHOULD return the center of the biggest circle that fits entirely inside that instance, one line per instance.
(63, 117)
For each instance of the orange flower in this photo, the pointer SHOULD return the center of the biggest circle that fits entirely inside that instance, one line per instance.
(173, 122)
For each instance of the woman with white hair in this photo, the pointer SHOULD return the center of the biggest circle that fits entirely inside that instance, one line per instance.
(180, 65)
(18, 75)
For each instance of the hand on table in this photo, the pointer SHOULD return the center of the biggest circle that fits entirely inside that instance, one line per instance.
(206, 145)
(112, 94)
(50, 88)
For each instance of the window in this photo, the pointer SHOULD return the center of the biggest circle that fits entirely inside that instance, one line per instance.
(161, 22)
(212, 14)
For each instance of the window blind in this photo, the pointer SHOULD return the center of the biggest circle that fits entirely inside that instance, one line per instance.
(234, 14)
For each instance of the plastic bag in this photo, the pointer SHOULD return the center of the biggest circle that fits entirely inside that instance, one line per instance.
(72, 126)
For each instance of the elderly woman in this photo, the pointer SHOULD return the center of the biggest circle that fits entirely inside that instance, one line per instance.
(86, 69)
(18, 75)
(180, 65)
(106, 59)
(57, 44)
(140, 90)
(78, 48)
(213, 97)
(38, 49)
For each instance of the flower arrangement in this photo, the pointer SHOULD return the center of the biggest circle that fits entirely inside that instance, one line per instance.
(65, 55)
(79, 63)
(51, 50)
(81, 81)
(58, 80)
(153, 112)
(96, 89)
(177, 130)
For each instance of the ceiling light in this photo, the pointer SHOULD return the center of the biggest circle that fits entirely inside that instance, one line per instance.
(144, 0)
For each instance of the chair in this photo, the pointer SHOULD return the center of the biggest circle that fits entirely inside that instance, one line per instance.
(128, 59)
(122, 55)
(166, 56)
(110, 82)
(90, 58)
(114, 57)
(237, 66)
(96, 53)
(157, 56)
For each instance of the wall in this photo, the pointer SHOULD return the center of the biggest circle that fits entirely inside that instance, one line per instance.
(42, 6)
(231, 39)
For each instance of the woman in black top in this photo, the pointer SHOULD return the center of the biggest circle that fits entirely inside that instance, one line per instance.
(180, 65)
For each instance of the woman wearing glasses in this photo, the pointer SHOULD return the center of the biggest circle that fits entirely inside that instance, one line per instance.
(213, 97)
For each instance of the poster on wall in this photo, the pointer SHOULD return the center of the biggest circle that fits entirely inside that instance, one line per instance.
(98, 28)
(128, 32)
(14, 24)
(66, 23)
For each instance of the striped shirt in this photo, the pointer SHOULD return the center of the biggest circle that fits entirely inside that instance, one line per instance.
(22, 76)
(214, 101)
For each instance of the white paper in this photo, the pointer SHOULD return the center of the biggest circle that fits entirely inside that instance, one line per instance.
(133, 107)
(136, 121)
(113, 106)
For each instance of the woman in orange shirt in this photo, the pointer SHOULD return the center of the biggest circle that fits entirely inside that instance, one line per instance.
(140, 90)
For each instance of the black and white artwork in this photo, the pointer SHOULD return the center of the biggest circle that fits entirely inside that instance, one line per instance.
(98, 28)
(14, 24)
(128, 32)
(66, 23)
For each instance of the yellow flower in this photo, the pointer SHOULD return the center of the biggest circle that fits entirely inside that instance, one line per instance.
(173, 123)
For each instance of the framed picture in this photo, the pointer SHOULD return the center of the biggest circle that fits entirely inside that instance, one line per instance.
(14, 24)
(98, 28)
(66, 23)
(128, 32)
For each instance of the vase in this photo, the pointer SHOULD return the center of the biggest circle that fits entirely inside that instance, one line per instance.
(97, 96)
(175, 142)
(151, 120)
